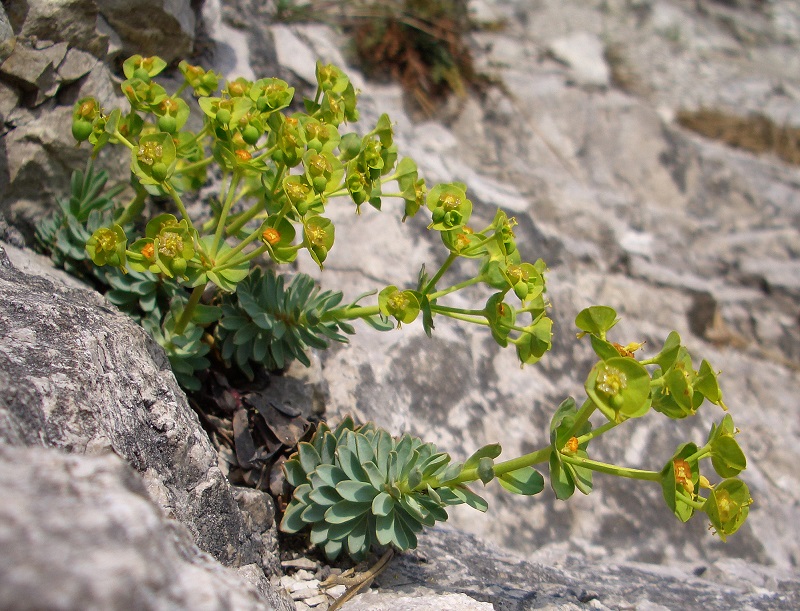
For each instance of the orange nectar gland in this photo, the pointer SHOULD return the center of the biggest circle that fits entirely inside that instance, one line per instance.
(683, 474)
(194, 71)
(628, 350)
(169, 106)
(87, 109)
(149, 251)
(236, 89)
(149, 152)
(242, 155)
(571, 446)
(271, 235)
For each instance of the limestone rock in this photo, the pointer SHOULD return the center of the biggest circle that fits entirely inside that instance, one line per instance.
(77, 375)
(449, 562)
(152, 27)
(35, 69)
(81, 532)
(583, 52)
(70, 21)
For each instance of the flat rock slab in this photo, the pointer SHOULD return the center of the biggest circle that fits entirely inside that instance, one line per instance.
(450, 562)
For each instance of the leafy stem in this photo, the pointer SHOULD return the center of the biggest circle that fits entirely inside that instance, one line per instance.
(601, 467)
(226, 208)
(188, 310)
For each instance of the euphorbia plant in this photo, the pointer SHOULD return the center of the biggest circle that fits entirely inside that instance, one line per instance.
(356, 486)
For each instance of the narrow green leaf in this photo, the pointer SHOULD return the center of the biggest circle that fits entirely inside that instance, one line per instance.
(470, 498)
(382, 504)
(344, 511)
(292, 521)
(309, 458)
(358, 492)
(489, 451)
(527, 481)
(324, 496)
(560, 480)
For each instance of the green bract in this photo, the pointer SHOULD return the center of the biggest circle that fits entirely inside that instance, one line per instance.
(153, 161)
(620, 388)
(318, 235)
(449, 206)
(727, 507)
(726, 455)
(107, 246)
(402, 305)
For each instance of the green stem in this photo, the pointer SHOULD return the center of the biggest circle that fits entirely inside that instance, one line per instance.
(244, 218)
(179, 203)
(134, 208)
(124, 140)
(464, 317)
(453, 288)
(241, 246)
(597, 432)
(527, 460)
(438, 275)
(701, 453)
(194, 166)
(352, 312)
(594, 465)
(699, 505)
(582, 417)
(186, 316)
(243, 259)
(448, 310)
(226, 208)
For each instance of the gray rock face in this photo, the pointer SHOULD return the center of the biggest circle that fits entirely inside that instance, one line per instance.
(452, 562)
(79, 376)
(82, 532)
(152, 27)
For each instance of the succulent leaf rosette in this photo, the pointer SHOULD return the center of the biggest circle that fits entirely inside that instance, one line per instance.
(355, 487)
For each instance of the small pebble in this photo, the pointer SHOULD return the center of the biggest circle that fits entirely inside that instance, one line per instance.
(303, 575)
(299, 586)
(336, 591)
(314, 601)
(300, 563)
